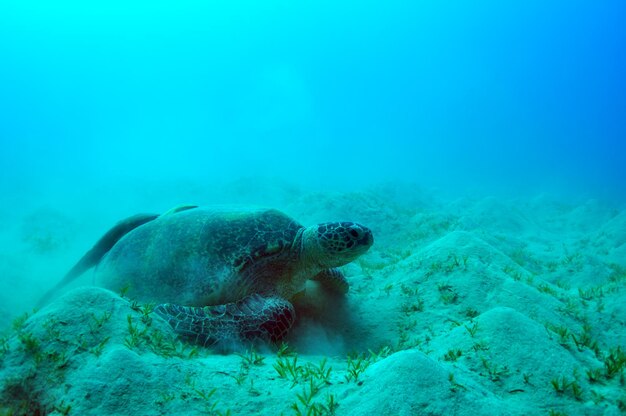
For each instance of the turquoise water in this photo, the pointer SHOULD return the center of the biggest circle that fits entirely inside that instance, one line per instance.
(453, 95)
(474, 151)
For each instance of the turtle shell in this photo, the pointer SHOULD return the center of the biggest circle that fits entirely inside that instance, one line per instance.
(204, 256)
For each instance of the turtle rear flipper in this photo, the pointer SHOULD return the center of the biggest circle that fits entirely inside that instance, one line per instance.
(253, 318)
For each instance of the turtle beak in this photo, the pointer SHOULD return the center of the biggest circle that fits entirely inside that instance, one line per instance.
(366, 238)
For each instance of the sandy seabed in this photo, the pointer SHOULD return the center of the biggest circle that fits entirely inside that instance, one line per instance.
(467, 306)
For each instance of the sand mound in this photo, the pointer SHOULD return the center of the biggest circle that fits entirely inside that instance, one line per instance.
(474, 307)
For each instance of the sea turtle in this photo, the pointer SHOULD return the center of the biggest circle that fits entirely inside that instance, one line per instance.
(222, 275)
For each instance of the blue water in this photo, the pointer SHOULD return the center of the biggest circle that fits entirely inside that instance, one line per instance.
(112, 108)
(450, 94)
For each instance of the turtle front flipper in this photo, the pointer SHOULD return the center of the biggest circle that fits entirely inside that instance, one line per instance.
(333, 279)
(253, 318)
(97, 252)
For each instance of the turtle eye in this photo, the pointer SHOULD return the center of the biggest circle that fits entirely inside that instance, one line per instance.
(354, 233)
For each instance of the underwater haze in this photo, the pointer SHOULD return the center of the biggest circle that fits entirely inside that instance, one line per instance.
(484, 95)
(404, 207)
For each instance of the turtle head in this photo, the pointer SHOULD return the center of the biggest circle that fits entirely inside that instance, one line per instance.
(333, 244)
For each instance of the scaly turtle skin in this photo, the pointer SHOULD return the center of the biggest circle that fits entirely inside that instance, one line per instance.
(223, 275)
